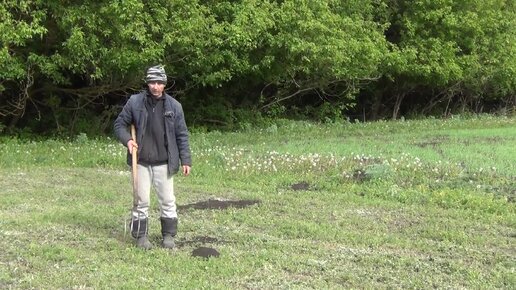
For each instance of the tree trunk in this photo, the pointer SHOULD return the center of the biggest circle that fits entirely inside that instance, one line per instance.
(377, 104)
(397, 105)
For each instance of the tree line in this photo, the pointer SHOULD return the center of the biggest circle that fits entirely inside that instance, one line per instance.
(67, 66)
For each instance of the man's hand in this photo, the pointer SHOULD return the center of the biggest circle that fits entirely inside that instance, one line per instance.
(186, 170)
(130, 145)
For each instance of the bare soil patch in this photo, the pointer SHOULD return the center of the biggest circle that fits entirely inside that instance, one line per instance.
(433, 142)
(200, 240)
(205, 252)
(360, 175)
(303, 185)
(219, 204)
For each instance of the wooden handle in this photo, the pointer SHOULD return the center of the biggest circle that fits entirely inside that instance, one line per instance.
(135, 161)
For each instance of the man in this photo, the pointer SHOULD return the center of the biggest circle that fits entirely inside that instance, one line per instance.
(162, 146)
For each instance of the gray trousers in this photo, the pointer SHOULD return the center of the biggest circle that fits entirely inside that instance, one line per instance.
(157, 176)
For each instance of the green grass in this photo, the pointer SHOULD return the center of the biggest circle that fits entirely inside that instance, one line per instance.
(414, 204)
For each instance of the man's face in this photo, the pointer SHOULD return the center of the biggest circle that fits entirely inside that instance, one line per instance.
(156, 88)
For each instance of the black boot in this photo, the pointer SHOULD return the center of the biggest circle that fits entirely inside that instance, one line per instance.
(139, 232)
(169, 231)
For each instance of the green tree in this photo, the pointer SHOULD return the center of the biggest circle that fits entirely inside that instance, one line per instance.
(67, 65)
(323, 49)
(20, 23)
(447, 49)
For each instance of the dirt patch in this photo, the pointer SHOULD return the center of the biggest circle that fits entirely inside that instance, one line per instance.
(300, 186)
(219, 204)
(489, 140)
(428, 144)
(433, 142)
(205, 252)
(360, 175)
(200, 240)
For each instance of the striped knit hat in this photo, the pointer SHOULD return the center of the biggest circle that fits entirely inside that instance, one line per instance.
(156, 73)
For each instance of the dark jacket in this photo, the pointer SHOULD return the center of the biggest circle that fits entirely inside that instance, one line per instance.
(176, 132)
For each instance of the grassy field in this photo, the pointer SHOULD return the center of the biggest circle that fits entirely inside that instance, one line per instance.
(413, 204)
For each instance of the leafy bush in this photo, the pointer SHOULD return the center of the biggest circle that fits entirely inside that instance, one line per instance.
(66, 63)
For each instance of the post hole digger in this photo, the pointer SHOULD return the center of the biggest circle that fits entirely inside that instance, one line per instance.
(138, 224)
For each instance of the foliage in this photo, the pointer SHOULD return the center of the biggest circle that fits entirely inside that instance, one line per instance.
(453, 49)
(62, 59)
